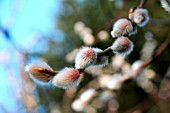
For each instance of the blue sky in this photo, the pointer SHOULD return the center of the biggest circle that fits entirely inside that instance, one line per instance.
(25, 19)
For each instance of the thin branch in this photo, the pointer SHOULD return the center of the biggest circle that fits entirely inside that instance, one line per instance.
(142, 3)
(165, 86)
(107, 51)
(147, 103)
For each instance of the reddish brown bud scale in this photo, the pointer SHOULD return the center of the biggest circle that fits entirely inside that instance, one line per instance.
(40, 71)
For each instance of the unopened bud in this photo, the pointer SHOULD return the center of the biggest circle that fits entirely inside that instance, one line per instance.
(131, 11)
(140, 17)
(40, 71)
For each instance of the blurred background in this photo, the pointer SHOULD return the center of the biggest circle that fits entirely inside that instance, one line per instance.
(54, 30)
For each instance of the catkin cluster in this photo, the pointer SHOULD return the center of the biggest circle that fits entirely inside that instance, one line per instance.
(91, 56)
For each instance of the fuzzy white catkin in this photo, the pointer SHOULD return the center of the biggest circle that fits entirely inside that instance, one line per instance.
(140, 17)
(123, 46)
(67, 78)
(122, 27)
(85, 57)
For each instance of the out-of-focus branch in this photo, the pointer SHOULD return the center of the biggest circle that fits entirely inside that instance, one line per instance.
(163, 22)
(8, 36)
(165, 86)
(142, 3)
(141, 106)
(154, 98)
(157, 53)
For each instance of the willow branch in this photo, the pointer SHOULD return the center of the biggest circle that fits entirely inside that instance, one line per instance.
(142, 3)
(107, 51)
(156, 54)
(142, 106)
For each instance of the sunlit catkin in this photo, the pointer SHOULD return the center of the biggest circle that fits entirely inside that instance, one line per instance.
(85, 57)
(122, 27)
(122, 45)
(67, 78)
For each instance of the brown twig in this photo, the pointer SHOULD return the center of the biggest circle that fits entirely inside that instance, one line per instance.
(157, 53)
(107, 51)
(141, 106)
(155, 98)
(142, 3)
